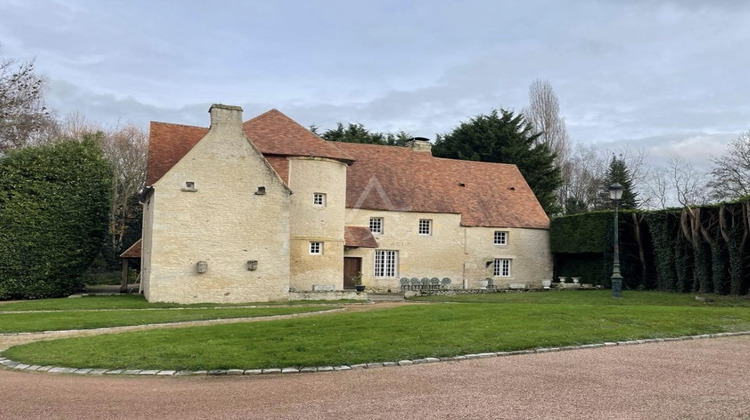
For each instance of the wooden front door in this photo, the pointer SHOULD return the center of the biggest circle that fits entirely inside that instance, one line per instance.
(352, 267)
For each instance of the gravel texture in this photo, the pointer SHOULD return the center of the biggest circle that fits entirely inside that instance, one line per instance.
(693, 379)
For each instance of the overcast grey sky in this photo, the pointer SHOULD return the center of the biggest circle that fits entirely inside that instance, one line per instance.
(671, 77)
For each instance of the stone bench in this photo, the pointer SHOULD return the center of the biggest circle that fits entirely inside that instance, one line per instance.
(323, 288)
(517, 286)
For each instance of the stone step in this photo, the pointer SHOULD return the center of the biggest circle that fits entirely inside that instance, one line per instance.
(385, 297)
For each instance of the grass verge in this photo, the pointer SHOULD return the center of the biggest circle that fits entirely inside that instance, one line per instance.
(388, 335)
(75, 320)
(129, 302)
(594, 297)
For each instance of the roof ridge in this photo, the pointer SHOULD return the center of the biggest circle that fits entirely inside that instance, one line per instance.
(177, 124)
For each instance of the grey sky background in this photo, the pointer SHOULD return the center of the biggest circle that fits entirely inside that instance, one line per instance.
(670, 77)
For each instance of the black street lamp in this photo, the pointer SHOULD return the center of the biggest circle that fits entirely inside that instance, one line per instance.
(615, 193)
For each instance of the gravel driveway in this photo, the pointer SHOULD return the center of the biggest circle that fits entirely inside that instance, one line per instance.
(696, 379)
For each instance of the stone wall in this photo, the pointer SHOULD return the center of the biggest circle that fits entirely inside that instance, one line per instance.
(328, 295)
(318, 223)
(437, 255)
(528, 250)
(225, 220)
(466, 255)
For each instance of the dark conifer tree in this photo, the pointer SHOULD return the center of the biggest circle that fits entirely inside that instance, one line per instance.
(506, 138)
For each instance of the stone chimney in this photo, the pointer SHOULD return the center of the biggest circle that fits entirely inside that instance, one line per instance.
(419, 144)
(225, 117)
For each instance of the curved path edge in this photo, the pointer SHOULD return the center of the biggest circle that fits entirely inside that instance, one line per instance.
(8, 363)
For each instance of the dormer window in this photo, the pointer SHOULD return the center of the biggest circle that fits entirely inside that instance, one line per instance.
(319, 200)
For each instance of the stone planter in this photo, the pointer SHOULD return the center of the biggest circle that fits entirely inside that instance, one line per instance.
(546, 284)
(576, 279)
(483, 283)
(562, 279)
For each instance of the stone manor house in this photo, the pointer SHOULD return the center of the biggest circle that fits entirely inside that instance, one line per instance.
(250, 211)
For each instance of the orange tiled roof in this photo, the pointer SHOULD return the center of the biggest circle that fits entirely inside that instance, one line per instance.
(358, 236)
(167, 144)
(273, 133)
(381, 177)
(397, 178)
(133, 252)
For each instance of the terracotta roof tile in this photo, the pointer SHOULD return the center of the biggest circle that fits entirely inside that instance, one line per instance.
(167, 144)
(381, 177)
(133, 252)
(273, 133)
(357, 236)
(397, 178)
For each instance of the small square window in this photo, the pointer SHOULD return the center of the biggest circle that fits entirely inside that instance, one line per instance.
(376, 224)
(189, 186)
(319, 199)
(501, 237)
(502, 267)
(316, 248)
(425, 226)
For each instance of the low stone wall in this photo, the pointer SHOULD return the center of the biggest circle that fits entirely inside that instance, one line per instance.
(327, 295)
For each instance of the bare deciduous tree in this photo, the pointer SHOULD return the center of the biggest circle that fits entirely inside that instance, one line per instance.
(656, 191)
(24, 119)
(688, 183)
(730, 176)
(126, 148)
(543, 113)
(585, 171)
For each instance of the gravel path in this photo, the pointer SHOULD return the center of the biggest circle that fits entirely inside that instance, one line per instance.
(695, 379)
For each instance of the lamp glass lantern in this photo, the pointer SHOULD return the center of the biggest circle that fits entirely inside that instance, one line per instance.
(615, 192)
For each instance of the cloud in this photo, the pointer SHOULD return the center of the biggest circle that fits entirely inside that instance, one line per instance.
(668, 76)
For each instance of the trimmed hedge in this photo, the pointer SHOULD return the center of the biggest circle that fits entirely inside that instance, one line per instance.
(54, 204)
(701, 250)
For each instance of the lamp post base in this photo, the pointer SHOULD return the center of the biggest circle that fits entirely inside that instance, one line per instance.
(616, 286)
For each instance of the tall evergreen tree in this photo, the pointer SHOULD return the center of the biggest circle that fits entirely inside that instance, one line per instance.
(618, 173)
(506, 138)
(54, 206)
(357, 133)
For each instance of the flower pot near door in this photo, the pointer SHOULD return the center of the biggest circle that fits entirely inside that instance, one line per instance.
(359, 287)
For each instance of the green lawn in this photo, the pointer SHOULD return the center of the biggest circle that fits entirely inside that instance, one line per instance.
(75, 320)
(594, 297)
(399, 333)
(125, 302)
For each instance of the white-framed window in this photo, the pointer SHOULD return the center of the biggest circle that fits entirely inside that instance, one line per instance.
(502, 267)
(425, 226)
(319, 199)
(501, 237)
(376, 224)
(316, 248)
(386, 263)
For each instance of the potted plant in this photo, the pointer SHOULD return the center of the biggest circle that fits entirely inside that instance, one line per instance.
(357, 279)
